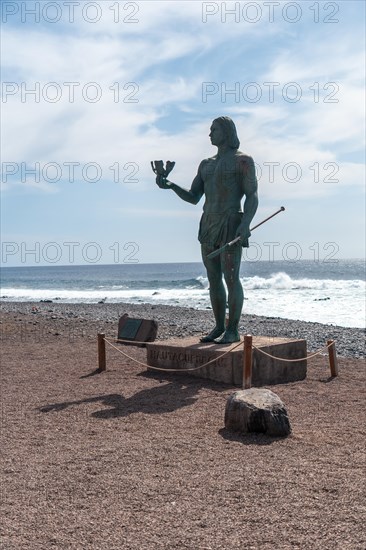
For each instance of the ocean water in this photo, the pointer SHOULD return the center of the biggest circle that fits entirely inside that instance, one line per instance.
(325, 292)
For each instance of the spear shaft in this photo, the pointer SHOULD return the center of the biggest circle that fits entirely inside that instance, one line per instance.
(219, 250)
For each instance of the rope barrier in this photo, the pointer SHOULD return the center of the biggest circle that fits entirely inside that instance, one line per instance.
(125, 354)
(247, 362)
(294, 360)
(134, 342)
(173, 370)
(212, 360)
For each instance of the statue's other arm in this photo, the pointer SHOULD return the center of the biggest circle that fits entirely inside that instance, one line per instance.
(192, 195)
(250, 188)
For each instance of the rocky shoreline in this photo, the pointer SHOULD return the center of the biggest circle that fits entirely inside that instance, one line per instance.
(24, 319)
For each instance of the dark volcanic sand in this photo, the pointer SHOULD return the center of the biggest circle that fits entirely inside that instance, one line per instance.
(130, 460)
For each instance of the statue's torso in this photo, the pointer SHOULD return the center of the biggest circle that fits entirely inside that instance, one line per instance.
(224, 182)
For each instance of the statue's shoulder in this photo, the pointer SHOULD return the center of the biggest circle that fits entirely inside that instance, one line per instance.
(209, 159)
(205, 162)
(243, 157)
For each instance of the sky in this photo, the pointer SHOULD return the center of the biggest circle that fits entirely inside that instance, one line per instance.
(92, 92)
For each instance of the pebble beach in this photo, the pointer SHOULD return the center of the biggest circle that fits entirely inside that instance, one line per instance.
(85, 320)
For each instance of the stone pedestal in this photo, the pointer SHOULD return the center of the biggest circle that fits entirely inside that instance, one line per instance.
(257, 411)
(187, 353)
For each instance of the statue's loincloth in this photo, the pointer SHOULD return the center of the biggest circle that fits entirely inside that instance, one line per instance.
(217, 229)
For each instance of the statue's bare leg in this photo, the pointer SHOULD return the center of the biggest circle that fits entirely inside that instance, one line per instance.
(230, 263)
(217, 294)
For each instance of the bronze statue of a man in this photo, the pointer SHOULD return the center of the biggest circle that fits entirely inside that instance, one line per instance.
(224, 179)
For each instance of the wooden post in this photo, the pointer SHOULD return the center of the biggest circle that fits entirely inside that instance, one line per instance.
(333, 362)
(101, 353)
(247, 364)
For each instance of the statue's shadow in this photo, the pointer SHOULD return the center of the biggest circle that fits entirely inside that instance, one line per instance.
(162, 399)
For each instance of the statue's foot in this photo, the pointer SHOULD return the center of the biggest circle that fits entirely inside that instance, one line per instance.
(215, 333)
(229, 337)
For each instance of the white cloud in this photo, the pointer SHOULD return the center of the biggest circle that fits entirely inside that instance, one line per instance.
(168, 54)
(147, 213)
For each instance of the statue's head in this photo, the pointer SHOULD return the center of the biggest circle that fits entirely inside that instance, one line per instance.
(229, 130)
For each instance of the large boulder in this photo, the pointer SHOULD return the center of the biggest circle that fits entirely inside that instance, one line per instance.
(257, 410)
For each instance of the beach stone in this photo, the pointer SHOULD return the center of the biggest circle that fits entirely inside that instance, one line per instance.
(257, 410)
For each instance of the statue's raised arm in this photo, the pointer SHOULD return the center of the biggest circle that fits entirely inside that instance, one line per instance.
(192, 195)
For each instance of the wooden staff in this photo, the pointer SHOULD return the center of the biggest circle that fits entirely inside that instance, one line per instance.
(227, 245)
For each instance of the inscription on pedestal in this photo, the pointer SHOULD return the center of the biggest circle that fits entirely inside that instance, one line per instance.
(183, 358)
(187, 354)
(170, 357)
